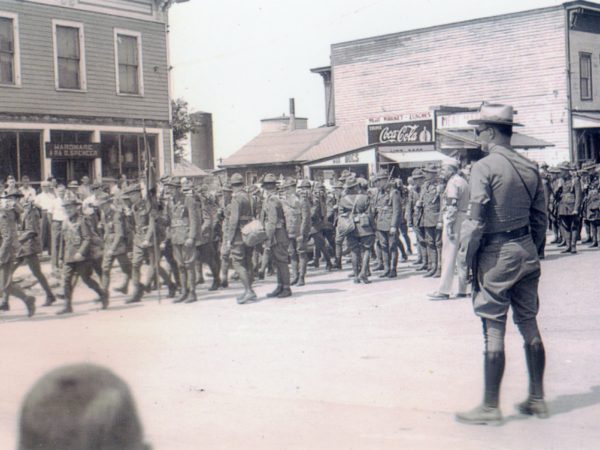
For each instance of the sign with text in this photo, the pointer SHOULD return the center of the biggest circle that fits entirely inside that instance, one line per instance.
(409, 131)
(72, 151)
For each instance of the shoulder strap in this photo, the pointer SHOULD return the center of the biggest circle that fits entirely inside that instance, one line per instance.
(521, 177)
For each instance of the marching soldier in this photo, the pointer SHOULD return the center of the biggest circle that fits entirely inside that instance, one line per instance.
(182, 232)
(144, 224)
(318, 211)
(555, 190)
(338, 191)
(225, 257)
(112, 219)
(297, 219)
(242, 213)
(388, 214)
(277, 242)
(207, 252)
(569, 207)
(31, 246)
(430, 198)
(8, 248)
(592, 212)
(79, 255)
(413, 215)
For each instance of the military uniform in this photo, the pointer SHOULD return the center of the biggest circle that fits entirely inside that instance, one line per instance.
(242, 213)
(277, 243)
(431, 194)
(112, 219)
(569, 209)
(318, 211)
(207, 211)
(8, 249)
(414, 217)
(592, 211)
(80, 252)
(297, 219)
(31, 246)
(182, 233)
(388, 218)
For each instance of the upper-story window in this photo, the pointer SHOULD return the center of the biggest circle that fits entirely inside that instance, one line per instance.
(9, 50)
(128, 62)
(585, 75)
(69, 56)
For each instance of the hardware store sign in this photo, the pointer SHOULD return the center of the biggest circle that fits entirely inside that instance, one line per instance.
(72, 151)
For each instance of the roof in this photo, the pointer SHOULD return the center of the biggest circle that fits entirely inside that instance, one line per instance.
(185, 168)
(518, 140)
(278, 147)
(568, 5)
(342, 139)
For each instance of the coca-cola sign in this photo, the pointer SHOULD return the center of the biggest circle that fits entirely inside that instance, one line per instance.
(401, 133)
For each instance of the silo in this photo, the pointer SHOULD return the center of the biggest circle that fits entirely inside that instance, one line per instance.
(202, 141)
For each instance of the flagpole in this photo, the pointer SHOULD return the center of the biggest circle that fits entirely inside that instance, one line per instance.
(148, 169)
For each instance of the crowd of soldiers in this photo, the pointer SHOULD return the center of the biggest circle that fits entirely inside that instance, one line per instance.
(86, 227)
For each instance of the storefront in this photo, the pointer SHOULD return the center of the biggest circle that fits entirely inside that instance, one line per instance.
(71, 152)
(586, 128)
(362, 162)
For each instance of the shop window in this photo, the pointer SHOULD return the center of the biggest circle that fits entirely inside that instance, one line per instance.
(124, 154)
(69, 51)
(66, 170)
(20, 154)
(9, 48)
(585, 75)
(128, 51)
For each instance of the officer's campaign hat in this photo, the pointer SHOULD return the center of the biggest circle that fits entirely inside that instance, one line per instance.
(588, 166)
(544, 165)
(565, 165)
(430, 168)
(553, 169)
(417, 173)
(351, 182)
(269, 179)
(236, 179)
(318, 186)
(495, 114)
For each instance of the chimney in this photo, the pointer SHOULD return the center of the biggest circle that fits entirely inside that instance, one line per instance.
(292, 126)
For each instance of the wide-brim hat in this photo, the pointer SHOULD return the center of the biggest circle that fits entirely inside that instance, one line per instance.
(565, 166)
(495, 114)
(430, 168)
(227, 188)
(304, 184)
(289, 182)
(236, 179)
(269, 179)
(553, 170)
(350, 182)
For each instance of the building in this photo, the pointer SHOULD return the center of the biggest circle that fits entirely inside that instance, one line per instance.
(201, 141)
(544, 62)
(84, 87)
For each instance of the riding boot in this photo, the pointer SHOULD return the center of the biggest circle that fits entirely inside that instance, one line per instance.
(355, 265)
(185, 290)
(425, 260)
(302, 271)
(574, 242)
(284, 276)
(488, 412)
(385, 256)
(294, 271)
(438, 269)
(68, 291)
(432, 256)
(278, 289)
(536, 361)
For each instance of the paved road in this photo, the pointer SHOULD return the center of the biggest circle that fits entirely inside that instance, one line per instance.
(337, 366)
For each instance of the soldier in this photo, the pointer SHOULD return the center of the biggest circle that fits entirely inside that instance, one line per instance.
(226, 213)
(79, 255)
(8, 248)
(144, 224)
(206, 239)
(388, 217)
(297, 218)
(115, 241)
(277, 242)
(242, 213)
(504, 229)
(569, 207)
(318, 211)
(338, 191)
(555, 191)
(430, 198)
(592, 213)
(182, 233)
(31, 246)
(414, 217)
(355, 203)
(454, 208)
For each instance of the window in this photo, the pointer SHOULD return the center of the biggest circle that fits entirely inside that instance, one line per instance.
(128, 62)
(69, 56)
(9, 50)
(585, 75)
(20, 155)
(124, 154)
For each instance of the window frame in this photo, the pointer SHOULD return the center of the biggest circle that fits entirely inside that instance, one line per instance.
(140, 72)
(82, 60)
(590, 97)
(16, 51)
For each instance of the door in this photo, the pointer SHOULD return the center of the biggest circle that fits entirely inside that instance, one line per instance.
(65, 170)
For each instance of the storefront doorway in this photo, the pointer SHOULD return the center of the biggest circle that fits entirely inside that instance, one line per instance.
(66, 169)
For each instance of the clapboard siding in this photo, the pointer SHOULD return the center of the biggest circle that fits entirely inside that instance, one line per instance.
(38, 94)
(588, 43)
(516, 59)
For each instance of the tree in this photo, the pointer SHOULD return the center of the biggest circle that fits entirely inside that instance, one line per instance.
(183, 124)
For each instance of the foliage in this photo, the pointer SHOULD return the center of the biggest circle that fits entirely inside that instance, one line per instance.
(183, 124)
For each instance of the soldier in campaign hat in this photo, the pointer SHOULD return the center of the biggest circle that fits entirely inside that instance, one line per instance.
(500, 239)
(277, 243)
(569, 206)
(297, 218)
(414, 216)
(431, 194)
(8, 239)
(388, 219)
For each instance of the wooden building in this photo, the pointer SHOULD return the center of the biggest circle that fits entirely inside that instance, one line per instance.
(545, 62)
(80, 82)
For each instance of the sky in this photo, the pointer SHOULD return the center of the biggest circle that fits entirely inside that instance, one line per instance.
(242, 60)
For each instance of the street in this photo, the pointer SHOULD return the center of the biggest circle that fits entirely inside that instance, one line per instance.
(336, 366)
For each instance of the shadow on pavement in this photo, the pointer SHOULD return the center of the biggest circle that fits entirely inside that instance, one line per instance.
(567, 403)
(41, 317)
(314, 292)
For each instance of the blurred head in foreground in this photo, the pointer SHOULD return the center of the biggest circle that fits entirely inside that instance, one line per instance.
(80, 407)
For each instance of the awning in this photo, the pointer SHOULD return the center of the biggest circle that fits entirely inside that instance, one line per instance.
(466, 139)
(414, 159)
(586, 119)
